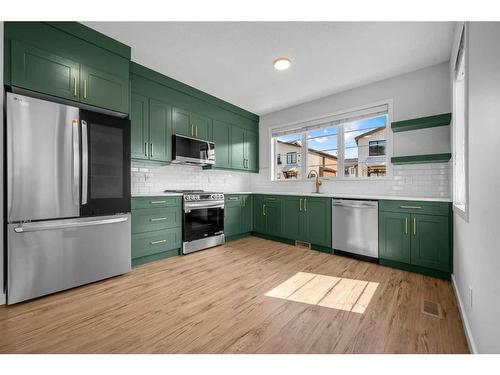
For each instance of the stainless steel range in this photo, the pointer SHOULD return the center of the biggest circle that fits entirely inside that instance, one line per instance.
(203, 220)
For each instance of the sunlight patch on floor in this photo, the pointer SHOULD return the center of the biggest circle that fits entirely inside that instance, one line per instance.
(326, 291)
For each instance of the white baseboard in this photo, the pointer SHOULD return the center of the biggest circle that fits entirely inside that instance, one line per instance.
(465, 321)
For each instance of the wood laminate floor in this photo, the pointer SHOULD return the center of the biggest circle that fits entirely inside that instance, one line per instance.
(215, 301)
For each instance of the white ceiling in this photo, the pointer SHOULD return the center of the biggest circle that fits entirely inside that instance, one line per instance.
(233, 60)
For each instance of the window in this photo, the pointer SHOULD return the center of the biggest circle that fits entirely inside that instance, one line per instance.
(460, 128)
(348, 145)
(291, 146)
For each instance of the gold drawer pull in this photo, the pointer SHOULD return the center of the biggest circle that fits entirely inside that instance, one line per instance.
(74, 87)
(157, 242)
(414, 226)
(415, 207)
(406, 225)
(233, 198)
(84, 89)
(158, 218)
(157, 202)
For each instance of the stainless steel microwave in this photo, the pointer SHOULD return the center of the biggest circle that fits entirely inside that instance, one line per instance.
(187, 150)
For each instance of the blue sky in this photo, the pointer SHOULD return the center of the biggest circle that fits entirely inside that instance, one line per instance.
(326, 139)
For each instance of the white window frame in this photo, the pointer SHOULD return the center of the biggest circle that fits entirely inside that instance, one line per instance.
(462, 210)
(335, 116)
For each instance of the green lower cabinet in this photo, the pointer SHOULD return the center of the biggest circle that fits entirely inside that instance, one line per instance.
(394, 237)
(156, 228)
(267, 215)
(259, 220)
(430, 242)
(307, 219)
(416, 236)
(237, 216)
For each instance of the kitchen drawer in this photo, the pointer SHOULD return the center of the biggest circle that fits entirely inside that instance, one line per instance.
(430, 208)
(150, 243)
(148, 220)
(152, 202)
(232, 200)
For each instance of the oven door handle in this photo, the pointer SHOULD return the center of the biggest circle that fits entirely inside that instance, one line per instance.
(191, 207)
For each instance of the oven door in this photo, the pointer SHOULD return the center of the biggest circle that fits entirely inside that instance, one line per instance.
(105, 164)
(203, 220)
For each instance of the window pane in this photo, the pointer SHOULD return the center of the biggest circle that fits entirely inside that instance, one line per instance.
(322, 153)
(287, 156)
(365, 147)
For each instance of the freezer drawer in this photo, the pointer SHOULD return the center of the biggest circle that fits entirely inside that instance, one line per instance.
(49, 256)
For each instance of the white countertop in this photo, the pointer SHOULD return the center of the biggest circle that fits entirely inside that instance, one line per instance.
(161, 194)
(352, 196)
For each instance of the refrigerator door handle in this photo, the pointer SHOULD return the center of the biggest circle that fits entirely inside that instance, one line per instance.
(85, 163)
(76, 163)
(49, 226)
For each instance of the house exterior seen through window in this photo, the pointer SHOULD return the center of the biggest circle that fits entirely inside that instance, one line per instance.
(341, 149)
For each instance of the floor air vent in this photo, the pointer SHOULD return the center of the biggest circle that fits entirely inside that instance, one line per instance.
(303, 244)
(432, 309)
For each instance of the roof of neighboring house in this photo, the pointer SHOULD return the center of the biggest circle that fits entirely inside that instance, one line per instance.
(350, 162)
(314, 151)
(373, 131)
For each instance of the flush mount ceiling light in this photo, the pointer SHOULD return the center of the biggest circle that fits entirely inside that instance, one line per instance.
(281, 63)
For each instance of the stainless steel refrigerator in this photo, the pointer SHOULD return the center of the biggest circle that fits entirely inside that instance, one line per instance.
(68, 197)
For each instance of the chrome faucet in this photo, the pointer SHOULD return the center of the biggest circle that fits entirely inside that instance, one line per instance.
(317, 183)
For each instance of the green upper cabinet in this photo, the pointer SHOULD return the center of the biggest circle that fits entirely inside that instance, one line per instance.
(68, 60)
(190, 124)
(416, 235)
(221, 136)
(42, 71)
(244, 149)
(160, 131)
(102, 89)
(237, 148)
(139, 126)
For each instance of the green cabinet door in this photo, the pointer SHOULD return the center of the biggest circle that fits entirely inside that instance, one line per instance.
(237, 148)
(272, 213)
(38, 70)
(201, 126)
(251, 151)
(292, 217)
(221, 135)
(139, 127)
(103, 89)
(232, 220)
(259, 219)
(181, 122)
(246, 214)
(318, 221)
(159, 131)
(394, 236)
(430, 242)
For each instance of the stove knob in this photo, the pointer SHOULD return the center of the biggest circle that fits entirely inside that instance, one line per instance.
(221, 196)
(213, 196)
(197, 197)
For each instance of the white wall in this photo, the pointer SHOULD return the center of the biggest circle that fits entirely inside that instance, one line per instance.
(476, 243)
(421, 93)
(150, 178)
(2, 294)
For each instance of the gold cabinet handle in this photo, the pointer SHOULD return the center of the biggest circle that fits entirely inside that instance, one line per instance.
(233, 198)
(157, 242)
(414, 207)
(151, 149)
(84, 89)
(196, 130)
(264, 210)
(74, 87)
(406, 225)
(158, 218)
(192, 130)
(414, 226)
(300, 205)
(157, 202)
(145, 148)
(305, 204)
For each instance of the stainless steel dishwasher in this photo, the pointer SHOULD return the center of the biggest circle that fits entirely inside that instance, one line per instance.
(355, 228)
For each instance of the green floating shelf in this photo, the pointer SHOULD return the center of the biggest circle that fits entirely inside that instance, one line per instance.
(421, 159)
(421, 123)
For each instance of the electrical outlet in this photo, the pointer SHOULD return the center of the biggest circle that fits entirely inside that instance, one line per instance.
(470, 296)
